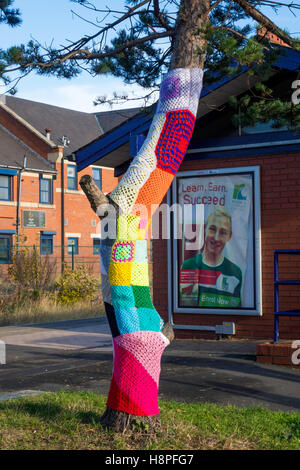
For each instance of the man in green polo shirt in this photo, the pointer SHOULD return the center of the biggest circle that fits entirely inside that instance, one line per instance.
(219, 280)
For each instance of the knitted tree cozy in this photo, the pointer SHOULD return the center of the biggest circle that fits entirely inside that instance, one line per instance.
(135, 324)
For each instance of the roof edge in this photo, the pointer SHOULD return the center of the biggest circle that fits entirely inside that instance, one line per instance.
(32, 129)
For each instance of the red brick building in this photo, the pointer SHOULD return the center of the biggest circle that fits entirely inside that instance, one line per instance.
(34, 201)
(254, 174)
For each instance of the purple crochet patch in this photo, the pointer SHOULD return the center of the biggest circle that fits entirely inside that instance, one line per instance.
(170, 88)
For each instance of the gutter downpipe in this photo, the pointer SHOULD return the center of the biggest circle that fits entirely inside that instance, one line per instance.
(62, 214)
(18, 218)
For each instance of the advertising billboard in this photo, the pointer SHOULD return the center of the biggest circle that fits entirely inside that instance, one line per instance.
(217, 255)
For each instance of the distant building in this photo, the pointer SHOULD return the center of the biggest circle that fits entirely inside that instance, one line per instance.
(46, 135)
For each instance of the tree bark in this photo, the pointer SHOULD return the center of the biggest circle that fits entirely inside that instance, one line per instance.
(189, 43)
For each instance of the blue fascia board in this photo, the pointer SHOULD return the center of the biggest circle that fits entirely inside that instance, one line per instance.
(6, 171)
(84, 162)
(102, 146)
(7, 232)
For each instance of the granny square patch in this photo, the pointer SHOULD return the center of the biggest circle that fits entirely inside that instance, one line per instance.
(123, 251)
(170, 88)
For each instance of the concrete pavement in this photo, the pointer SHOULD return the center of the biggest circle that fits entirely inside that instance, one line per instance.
(77, 355)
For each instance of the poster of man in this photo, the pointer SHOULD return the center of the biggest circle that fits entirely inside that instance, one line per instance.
(218, 273)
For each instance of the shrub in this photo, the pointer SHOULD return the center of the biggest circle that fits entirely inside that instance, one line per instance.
(76, 285)
(30, 271)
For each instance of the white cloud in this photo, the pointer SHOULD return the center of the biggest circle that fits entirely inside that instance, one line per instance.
(80, 96)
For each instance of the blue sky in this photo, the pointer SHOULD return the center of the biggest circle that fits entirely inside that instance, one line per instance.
(48, 20)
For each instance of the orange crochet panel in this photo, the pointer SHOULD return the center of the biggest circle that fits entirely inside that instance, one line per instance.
(154, 189)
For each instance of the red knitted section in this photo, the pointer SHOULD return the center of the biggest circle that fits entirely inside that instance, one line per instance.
(174, 139)
(118, 400)
(132, 390)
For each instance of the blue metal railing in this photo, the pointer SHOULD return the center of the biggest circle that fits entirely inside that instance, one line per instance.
(277, 283)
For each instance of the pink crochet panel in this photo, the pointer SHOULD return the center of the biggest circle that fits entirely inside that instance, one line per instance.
(134, 388)
(135, 323)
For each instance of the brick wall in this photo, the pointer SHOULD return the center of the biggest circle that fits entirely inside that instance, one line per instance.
(81, 220)
(280, 225)
(24, 134)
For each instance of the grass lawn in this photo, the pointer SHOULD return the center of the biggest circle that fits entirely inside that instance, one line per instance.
(70, 420)
(16, 312)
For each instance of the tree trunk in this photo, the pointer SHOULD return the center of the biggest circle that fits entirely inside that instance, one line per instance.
(139, 333)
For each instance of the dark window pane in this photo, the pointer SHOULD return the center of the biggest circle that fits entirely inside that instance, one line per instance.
(97, 176)
(46, 244)
(45, 191)
(5, 250)
(72, 177)
(5, 187)
(73, 242)
(96, 246)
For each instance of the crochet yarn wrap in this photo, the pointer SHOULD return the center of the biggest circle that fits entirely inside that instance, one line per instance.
(134, 322)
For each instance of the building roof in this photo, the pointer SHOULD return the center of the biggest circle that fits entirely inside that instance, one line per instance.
(12, 151)
(110, 119)
(79, 127)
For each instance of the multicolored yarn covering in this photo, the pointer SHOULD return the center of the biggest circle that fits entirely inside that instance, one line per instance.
(135, 324)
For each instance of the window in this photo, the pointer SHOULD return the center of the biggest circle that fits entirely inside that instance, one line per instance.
(97, 176)
(5, 248)
(45, 191)
(72, 177)
(73, 242)
(46, 244)
(96, 246)
(5, 188)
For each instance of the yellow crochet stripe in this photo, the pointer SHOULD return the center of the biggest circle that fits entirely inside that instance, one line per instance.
(139, 274)
(128, 228)
(119, 274)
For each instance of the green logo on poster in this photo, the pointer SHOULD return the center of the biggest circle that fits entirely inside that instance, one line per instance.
(237, 192)
(225, 284)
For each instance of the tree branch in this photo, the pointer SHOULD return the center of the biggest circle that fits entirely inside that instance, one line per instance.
(85, 54)
(159, 15)
(127, 15)
(265, 21)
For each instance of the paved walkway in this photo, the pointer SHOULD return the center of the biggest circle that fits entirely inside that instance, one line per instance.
(77, 355)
